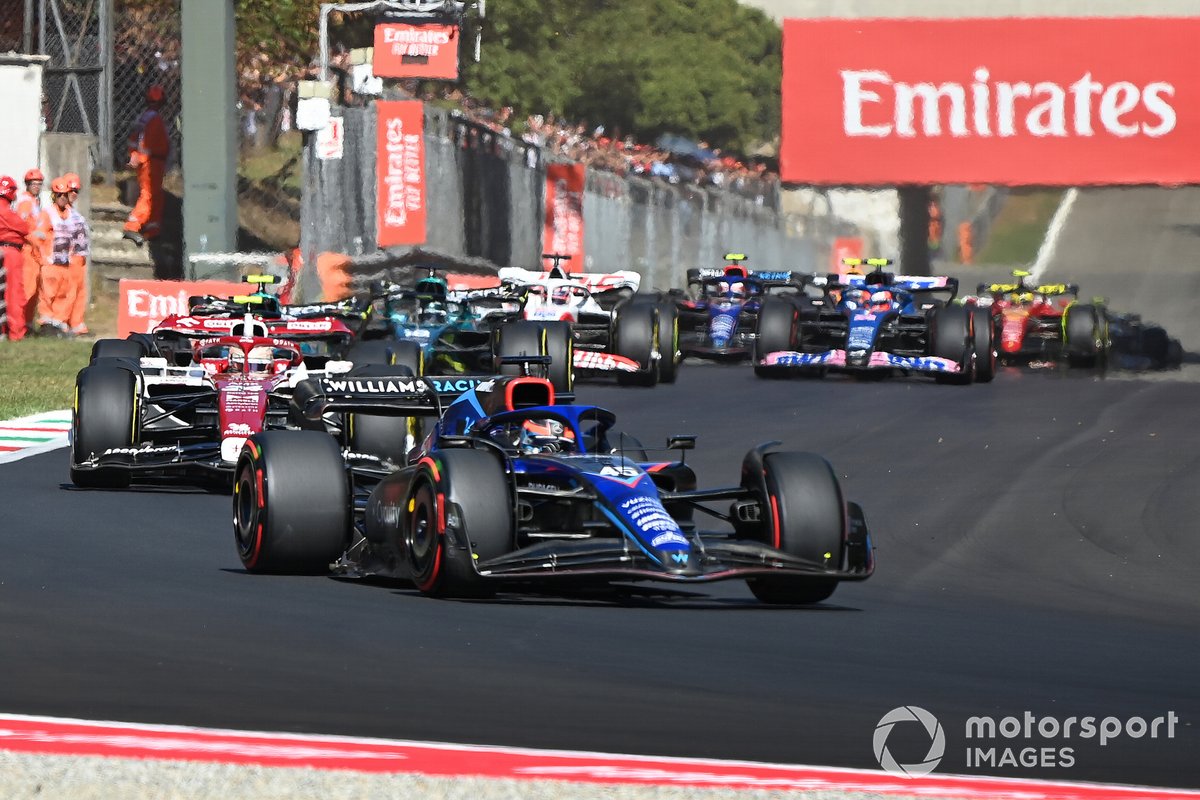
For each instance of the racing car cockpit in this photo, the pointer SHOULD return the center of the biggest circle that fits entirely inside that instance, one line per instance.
(231, 355)
(533, 435)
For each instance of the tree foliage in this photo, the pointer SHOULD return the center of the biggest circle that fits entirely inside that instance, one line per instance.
(709, 69)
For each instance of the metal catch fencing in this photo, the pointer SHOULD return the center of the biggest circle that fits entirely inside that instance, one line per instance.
(485, 204)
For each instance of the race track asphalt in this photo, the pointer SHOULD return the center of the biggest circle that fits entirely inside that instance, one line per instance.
(1037, 551)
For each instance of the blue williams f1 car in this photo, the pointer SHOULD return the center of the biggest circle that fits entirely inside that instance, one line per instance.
(511, 490)
(877, 324)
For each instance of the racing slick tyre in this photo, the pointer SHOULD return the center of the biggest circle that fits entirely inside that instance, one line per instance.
(118, 348)
(410, 355)
(517, 338)
(1084, 336)
(951, 337)
(804, 516)
(668, 342)
(635, 336)
(775, 331)
(291, 503)
(984, 339)
(105, 416)
(381, 435)
(559, 343)
(374, 352)
(461, 512)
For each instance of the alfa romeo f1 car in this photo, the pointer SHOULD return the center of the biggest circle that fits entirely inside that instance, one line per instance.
(718, 320)
(511, 489)
(147, 407)
(878, 324)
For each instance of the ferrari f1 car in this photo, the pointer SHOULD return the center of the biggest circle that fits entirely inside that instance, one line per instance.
(718, 318)
(512, 489)
(879, 324)
(1045, 322)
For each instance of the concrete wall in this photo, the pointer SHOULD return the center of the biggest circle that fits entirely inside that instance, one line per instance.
(69, 152)
(20, 121)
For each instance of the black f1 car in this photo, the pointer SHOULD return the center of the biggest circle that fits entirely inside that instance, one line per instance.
(511, 489)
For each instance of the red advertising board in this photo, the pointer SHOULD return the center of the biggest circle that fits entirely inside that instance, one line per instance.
(144, 303)
(411, 50)
(845, 247)
(400, 172)
(563, 233)
(1017, 101)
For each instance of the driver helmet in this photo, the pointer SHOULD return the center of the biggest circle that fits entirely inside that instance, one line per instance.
(854, 298)
(433, 314)
(560, 296)
(881, 300)
(546, 436)
(259, 361)
(735, 290)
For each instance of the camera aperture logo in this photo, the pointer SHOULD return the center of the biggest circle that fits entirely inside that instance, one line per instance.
(933, 728)
(1029, 741)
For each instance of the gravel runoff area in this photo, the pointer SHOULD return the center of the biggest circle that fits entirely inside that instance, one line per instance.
(30, 777)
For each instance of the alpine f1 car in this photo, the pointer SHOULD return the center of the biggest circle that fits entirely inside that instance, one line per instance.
(879, 324)
(512, 490)
(718, 318)
(596, 322)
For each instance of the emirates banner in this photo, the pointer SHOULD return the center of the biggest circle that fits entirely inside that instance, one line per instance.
(143, 304)
(400, 172)
(412, 50)
(563, 233)
(1017, 101)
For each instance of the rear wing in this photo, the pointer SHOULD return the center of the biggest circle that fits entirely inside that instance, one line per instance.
(592, 281)
(763, 277)
(397, 396)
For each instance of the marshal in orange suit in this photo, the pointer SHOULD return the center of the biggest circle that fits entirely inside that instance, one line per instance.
(148, 149)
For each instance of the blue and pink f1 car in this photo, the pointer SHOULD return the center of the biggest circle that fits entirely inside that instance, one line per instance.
(876, 324)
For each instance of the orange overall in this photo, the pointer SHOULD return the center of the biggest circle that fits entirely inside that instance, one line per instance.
(148, 149)
(30, 208)
(14, 233)
(64, 274)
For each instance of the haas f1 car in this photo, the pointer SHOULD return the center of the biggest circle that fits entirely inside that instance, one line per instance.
(877, 324)
(719, 318)
(592, 324)
(511, 490)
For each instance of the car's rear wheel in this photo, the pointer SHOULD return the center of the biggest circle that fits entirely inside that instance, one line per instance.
(559, 344)
(983, 338)
(118, 348)
(775, 331)
(1084, 336)
(291, 502)
(804, 515)
(950, 337)
(105, 417)
(635, 336)
(668, 342)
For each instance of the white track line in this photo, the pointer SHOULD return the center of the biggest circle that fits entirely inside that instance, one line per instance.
(1057, 223)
